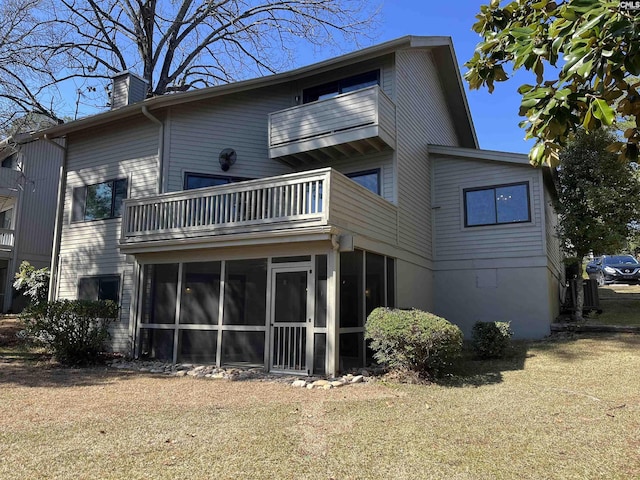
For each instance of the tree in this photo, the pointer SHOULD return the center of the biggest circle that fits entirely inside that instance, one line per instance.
(593, 50)
(598, 198)
(178, 45)
(27, 77)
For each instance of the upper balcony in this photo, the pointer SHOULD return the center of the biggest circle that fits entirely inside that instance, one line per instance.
(352, 123)
(317, 202)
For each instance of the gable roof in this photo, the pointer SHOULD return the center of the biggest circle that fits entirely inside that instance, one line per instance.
(440, 47)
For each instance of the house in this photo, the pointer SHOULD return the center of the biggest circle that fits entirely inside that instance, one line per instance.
(259, 222)
(29, 181)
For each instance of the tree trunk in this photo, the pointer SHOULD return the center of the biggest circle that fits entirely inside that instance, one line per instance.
(578, 307)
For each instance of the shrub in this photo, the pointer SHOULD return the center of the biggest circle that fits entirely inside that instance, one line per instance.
(491, 339)
(74, 330)
(413, 340)
(32, 283)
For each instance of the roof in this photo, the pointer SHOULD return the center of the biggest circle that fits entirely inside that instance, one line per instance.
(440, 47)
(477, 154)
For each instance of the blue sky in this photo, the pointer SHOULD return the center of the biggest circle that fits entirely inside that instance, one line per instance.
(495, 115)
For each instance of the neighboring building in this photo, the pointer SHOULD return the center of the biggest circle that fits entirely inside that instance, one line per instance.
(260, 222)
(29, 181)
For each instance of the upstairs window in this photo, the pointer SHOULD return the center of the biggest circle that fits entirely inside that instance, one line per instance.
(10, 162)
(349, 84)
(497, 205)
(104, 287)
(99, 201)
(369, 179)
(202, 180)
(6, 219)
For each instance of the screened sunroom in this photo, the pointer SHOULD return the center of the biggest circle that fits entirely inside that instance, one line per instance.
(301, 313)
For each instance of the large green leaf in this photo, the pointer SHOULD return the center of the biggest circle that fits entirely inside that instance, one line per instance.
(602, 111)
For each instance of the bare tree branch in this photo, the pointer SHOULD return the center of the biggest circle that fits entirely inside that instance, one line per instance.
(175, 45)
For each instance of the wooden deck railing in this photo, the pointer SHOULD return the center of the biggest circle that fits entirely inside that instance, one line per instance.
(360, 108)
(294, 198)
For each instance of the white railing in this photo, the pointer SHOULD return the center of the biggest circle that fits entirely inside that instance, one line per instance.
(7, 237)
(289, 348)
(360, 108)
(294, 198)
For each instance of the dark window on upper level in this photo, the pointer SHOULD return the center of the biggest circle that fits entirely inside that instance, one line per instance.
(496, 205)
(104, 287)
(10, 162)
(202, 180)
(344, 85)
(99, 201)
(369, 179)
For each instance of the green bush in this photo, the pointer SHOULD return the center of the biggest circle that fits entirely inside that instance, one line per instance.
(74, 330)
(413, 340)
(491, 339)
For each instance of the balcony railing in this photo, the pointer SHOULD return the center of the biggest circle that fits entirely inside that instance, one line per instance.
(353, 122)
(7, 238)
(292, 201)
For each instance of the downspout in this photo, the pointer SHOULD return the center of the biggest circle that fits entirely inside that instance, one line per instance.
(57, 233)
(155, 120)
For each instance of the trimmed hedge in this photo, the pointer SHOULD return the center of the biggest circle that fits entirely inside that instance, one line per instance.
(75, 331)
(491, 339)
(413, 340)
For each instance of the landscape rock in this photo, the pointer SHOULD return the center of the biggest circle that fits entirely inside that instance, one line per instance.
(234, 374)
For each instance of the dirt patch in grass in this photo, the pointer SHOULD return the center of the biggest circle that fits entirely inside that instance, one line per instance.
(9, 329)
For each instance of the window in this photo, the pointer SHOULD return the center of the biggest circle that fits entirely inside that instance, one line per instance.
(105, 287)
(99, 201)
(349, 84)
(369, 179)
(10, 162)
(202, 180)
(497, 205)
(6, 219)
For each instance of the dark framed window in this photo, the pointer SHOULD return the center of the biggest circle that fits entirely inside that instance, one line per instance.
(10, 162)
(103, 287)
(496, 205)
(344, 85)
(369, 179)
(202, 180)
(99, 201)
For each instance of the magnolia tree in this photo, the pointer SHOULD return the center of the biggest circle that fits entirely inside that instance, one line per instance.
(585, 55)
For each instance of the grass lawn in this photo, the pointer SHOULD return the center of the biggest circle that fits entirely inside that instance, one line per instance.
(563, 408)
(620, 305)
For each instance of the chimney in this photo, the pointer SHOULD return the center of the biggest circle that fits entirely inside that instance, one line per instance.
(127, 88)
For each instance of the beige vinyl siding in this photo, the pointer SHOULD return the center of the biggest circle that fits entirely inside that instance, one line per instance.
(381, 160)
(554, 252)
(422, 118)
(371, 217)
(36, 222)
(199, 132)
(454, 241)
(91, 248)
